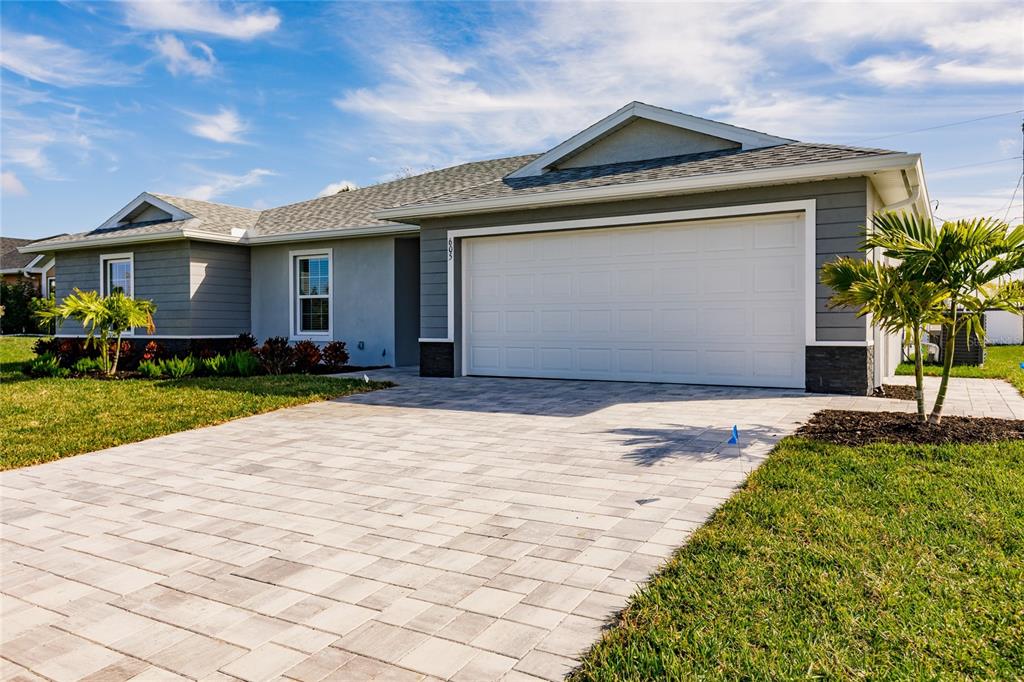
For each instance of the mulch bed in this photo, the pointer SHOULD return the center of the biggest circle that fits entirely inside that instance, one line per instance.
(862, 428)
(895, 391)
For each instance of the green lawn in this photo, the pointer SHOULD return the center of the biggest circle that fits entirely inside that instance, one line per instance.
(1001, 362)
(879, 562)
(46, 419)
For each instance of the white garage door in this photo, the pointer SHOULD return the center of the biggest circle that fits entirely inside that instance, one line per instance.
(718, 302)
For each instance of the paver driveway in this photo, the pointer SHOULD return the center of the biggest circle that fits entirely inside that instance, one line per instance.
(470, 529)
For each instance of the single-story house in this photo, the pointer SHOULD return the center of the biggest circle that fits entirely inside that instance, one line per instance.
(651, 246)
(34, 269)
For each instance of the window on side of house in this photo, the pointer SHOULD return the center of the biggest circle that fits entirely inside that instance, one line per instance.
(51, 286)
(118, 275)
(312, 305)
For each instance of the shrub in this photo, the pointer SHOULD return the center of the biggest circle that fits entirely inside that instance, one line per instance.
(46, 365)
(121, 350)
(68, 351)
(178, 368)
(245, 341)
(218, 365)
(16, 299)
(335, 354)
(307, 356)
(86, 365)
(276, 356)
(42, 346)
(43, 315)
(105, 319)
(243, 363)
(153, 351)
(150, 369)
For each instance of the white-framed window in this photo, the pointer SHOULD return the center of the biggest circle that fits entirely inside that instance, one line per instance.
(117, 273)
(51, 286)
(311, 279)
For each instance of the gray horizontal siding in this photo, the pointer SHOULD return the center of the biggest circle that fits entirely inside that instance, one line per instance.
(842, 209)
(219, 281)
(161, 275)
(199, 289)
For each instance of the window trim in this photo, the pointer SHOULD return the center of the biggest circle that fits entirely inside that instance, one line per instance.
(106, 258)
(294, 333)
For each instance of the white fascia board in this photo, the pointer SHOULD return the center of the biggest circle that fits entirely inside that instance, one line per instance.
(749, 139)
(339, 233)
(637, 190)
(102, 243)
(145, 198)
(196, 235)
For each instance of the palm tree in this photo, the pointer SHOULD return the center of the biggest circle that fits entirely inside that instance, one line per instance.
(896, 302)
(105, 316)
(971, 260)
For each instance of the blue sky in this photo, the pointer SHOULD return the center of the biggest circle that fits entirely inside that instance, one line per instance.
(260, 105)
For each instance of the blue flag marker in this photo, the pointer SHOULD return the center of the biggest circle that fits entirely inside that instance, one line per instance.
(1022, 365)
(735, 436)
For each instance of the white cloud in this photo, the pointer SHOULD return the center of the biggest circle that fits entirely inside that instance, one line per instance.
(988, 202)
(11, 185)
(44, 141)
(224, 126)
(240, 22)
(335, 187)
(219, 184)
(49, 61)
(181, 60)
(792, 69)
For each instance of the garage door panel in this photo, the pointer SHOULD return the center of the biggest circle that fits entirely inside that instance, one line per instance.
(520, 358)
(724, 278)
(727, 238)
(721, 321)
(633, 284)
(776, 235)
(781, 277)
(593, 322)
(717, 302)
(485, 321)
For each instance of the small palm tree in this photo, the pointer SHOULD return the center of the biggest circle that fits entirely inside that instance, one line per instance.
(105, 316)
(897, 303)
(970, 260)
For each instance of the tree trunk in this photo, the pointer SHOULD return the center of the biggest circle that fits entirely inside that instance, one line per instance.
(919, 374)
(117, 355)
(947, 366)
(104, 352)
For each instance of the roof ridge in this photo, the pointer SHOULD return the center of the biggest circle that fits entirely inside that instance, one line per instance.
(378, 185)
(170, 197)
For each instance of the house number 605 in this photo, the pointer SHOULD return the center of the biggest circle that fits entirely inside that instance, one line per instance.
(451, 248)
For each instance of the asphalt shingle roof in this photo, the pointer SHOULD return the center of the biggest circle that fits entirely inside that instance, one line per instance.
(355, 208)
(687, 165)
(208, 217)
(468, 181)
(10, 257)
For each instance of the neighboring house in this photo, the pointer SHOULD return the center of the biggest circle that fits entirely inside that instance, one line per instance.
(652, 246)
(35, 269)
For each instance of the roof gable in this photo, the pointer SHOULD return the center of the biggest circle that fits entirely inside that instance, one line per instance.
(638, 132)
(145, 208)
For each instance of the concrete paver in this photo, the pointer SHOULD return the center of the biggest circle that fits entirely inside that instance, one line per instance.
(467, 529)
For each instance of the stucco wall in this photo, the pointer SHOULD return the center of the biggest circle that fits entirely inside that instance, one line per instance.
(842, 208)
(363, 296)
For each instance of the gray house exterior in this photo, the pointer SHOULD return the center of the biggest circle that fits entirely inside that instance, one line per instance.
(651, 246)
